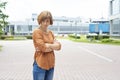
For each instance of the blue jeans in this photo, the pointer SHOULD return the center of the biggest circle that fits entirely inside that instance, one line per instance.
(41, 74)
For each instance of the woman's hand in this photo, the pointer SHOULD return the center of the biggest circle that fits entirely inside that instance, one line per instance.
(57, 45)
(48, 47)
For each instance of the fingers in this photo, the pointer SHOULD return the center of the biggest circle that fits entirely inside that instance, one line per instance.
(49, 50)
(37, 49)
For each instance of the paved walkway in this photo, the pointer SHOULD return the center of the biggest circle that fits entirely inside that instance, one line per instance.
(76, 61)
(16, 60)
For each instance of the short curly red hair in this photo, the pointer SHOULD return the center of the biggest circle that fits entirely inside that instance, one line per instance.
(45, 15)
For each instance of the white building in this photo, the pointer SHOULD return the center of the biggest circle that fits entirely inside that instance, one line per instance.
(115, 18)
(61, 25)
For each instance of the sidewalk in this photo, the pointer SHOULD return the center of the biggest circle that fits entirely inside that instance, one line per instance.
(16, 60)
(76, 61)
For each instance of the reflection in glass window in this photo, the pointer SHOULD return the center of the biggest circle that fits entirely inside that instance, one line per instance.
(116, 7)
(18, 28)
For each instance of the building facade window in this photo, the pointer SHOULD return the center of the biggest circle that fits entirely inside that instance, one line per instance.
(30, 27)
(116, 26)
(115, 18)
(115, 7)
(18, 28)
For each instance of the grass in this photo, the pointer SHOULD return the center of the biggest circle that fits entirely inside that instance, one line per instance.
(16, 38)
(85, 40)
(112, 42)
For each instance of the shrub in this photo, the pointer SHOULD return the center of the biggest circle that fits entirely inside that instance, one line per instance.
(106, 40)
(29, 37)
(74, 36)
(116, 41)
(5, 37)
(97, 37)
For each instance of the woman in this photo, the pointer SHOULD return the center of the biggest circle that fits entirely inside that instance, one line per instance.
(45, 44)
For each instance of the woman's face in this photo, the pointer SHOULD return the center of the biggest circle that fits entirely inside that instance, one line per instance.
(45, 23)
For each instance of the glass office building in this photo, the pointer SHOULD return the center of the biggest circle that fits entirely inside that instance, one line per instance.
(114, 18)
(61, 25)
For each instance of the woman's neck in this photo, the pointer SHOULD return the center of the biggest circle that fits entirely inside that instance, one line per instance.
(43, 29)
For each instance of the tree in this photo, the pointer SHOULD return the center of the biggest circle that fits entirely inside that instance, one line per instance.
(3, 17)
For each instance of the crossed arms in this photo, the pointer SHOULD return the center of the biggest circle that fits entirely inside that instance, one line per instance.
(55, 46)
(40, 45)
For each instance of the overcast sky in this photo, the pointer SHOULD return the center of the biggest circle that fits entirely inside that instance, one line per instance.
(22, 9)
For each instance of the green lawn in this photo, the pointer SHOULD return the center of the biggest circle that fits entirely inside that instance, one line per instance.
(97, 41)
(84, 39)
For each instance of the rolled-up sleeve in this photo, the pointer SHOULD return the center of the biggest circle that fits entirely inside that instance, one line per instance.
(38, 41)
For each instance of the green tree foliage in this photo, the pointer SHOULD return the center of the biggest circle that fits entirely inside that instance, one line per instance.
(3, 17)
